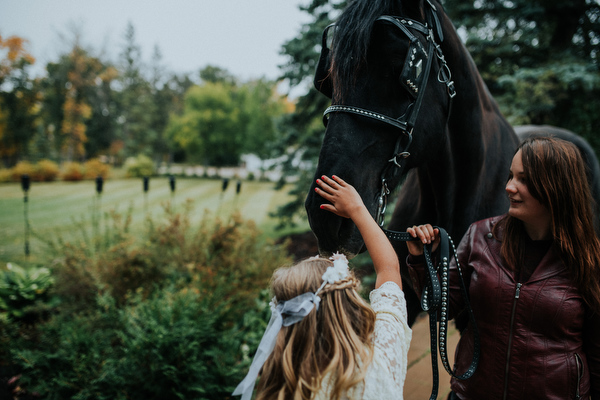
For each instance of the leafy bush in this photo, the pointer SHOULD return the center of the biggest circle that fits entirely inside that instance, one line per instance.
(22, 168)
(72, 171)
(67, 354)
(94, 168)
(173, 314)
(5, 175)
(23, 292)
(176, 345)
(139, 166)
(173, 345)
(46, 171)
(225, 254)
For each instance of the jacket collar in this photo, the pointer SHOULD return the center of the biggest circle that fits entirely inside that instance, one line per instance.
(549, 266)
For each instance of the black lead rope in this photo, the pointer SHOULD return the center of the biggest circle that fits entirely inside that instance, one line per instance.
(434, 300)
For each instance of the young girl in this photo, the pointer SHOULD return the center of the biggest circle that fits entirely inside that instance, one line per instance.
(324, 341)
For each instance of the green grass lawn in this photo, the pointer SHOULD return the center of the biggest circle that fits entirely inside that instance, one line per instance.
(58, 208)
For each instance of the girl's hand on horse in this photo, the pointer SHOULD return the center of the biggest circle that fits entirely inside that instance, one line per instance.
(345, 200)
(426, 234)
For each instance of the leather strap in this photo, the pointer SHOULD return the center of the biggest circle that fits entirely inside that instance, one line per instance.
(397, 123)
(434, 300)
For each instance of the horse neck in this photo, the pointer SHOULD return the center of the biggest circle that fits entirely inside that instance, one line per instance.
(467, 176)
(475, 122)
(472, 92)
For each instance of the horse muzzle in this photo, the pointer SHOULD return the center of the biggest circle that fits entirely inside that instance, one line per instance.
(333, 233)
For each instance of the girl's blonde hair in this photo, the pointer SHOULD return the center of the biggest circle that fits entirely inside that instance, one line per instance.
(335, 339)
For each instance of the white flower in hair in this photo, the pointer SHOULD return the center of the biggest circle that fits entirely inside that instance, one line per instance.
(273, 304)
(339, 270)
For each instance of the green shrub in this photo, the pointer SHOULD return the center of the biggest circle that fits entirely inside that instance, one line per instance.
(46, 171)
(176, 346)
(66, 357)
(228, 254)
(24, 293)
(75, 278)
(175, 314)
(173, 345)
(72, 171)
(94, 168)
(139, 166)
(5, 175)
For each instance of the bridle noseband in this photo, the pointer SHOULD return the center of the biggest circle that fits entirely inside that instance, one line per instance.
(414, 78)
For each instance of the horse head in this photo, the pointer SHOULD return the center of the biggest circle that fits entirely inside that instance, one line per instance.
(391, 93)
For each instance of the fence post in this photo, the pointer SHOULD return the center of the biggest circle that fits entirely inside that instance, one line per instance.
(25, 182)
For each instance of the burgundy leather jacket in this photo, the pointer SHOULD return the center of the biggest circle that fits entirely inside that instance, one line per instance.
(538, 338)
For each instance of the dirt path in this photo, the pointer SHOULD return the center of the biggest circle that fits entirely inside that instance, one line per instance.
(418, 382)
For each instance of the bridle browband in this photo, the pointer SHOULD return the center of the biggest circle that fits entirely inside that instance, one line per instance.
(434, 298)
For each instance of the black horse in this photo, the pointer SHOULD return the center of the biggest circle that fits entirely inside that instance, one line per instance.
(409, 108)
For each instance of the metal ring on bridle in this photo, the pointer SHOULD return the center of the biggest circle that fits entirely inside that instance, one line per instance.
(382, 203)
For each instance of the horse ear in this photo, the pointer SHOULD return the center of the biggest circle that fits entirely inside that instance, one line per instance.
(322, 80)
(414, 9)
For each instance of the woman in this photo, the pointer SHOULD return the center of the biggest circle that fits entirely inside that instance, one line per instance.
(533, 278)
(324, 341)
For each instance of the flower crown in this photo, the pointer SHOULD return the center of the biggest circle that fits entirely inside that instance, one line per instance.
(339, 271)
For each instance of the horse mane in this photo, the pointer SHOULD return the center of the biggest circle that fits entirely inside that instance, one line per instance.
(352, 37)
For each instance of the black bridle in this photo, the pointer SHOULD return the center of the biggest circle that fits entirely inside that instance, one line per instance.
(414, 78)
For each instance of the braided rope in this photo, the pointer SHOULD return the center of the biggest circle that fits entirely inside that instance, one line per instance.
(348, 283)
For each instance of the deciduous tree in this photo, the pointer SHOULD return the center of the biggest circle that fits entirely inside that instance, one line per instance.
(209, 129)
(77, 107)
(18, 99)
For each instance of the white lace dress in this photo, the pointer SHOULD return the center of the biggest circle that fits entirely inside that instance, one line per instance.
(386, 373)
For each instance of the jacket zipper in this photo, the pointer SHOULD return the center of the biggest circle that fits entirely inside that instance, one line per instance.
(510, 334)
(579, 363)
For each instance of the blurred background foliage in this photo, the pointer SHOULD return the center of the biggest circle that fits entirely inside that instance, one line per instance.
(88, 107)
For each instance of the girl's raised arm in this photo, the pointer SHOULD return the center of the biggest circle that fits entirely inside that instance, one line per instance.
(347, 203)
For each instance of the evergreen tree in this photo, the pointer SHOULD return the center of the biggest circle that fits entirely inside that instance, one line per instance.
(539, 58)
(303, 130)
(134, 120)
(161, 106)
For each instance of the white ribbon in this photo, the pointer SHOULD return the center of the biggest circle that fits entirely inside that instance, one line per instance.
(294, 310)
(285, 313)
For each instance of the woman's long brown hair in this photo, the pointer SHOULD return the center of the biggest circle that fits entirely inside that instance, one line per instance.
(556, 177)
(335, 339)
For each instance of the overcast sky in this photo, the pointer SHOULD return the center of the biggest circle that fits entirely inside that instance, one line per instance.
(242, 36)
